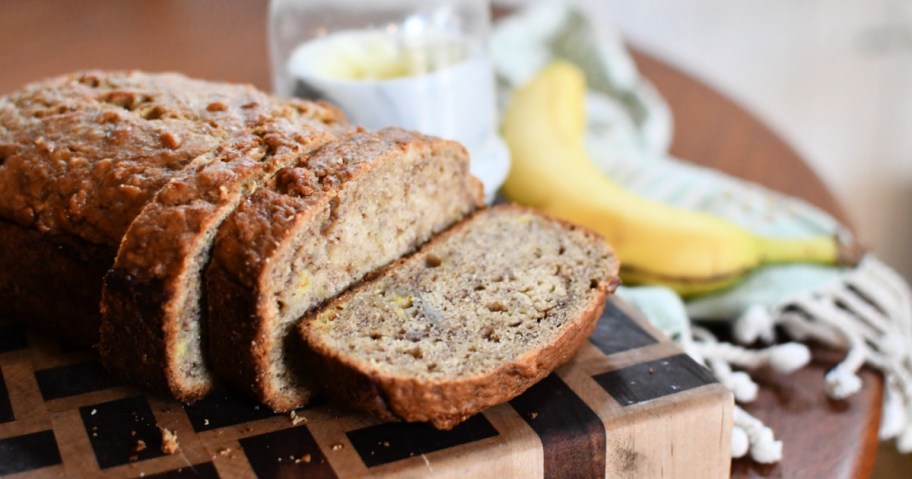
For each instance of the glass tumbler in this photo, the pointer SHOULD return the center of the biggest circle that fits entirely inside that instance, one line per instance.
(418, 64)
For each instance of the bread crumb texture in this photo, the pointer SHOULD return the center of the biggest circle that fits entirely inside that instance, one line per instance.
(485, 295)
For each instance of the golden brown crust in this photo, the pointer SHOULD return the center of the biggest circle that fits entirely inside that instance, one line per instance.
(446, 403)
(236, 168)
(254, 232)
(83, 153)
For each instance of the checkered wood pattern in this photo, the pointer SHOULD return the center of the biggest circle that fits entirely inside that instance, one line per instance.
(630, 404)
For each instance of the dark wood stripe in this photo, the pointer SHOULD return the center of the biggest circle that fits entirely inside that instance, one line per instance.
(394, 441)
(69, 347)
(73, 379)
(6, 408)
(12, 338)
(28, 452)
(572, 435)
(654, 379)
(616, 332)
(287, 453)
(221, 409)
(205, 470)
(115, 429)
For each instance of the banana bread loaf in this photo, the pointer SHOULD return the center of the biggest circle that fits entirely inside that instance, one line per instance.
(474, 318)
(352, 206)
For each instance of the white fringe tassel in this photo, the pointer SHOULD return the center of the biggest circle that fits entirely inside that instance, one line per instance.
(868, 313)
(749, 434)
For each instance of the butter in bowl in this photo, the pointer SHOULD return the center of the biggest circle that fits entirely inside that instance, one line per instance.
(415, 64)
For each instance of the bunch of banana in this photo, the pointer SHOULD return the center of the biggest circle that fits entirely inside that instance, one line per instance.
(690, 251)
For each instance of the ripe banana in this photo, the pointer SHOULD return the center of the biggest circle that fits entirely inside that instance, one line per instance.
(690, 251)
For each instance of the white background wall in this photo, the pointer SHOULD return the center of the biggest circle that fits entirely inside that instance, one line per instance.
(833, 77)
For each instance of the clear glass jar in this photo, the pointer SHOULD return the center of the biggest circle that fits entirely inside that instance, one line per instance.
(418, 64)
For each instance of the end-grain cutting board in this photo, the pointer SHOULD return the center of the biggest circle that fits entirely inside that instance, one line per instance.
(629, 405)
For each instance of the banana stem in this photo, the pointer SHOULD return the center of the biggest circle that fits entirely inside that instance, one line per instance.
(818, 249)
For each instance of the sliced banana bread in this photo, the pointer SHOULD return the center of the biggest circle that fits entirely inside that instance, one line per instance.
(352, 206)
(153, 314)
(471, 320)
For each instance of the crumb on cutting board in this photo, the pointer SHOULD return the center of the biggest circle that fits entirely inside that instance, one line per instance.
(295, 419)
(169, 440)
(223, 452)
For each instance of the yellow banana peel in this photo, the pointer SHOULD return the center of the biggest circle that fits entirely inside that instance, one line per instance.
(690, 251)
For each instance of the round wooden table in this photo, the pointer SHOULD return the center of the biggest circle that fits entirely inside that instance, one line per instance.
(227, 41)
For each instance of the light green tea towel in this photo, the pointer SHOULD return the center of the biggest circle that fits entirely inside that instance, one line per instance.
(865, 310)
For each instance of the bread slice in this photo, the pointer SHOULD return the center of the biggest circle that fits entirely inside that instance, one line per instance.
(473, 319)
(153, 313)
(352, 206)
